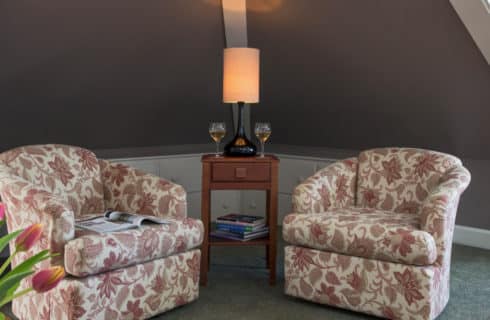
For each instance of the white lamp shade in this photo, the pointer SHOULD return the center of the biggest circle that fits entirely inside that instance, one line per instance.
(241, 75)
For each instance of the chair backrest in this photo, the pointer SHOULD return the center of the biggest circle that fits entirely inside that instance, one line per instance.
(399, 179)
(71, 173)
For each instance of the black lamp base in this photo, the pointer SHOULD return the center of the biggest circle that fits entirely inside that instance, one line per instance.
(240, 146)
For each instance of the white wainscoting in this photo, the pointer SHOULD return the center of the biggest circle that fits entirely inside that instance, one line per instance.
(185, 169)
(473, 237)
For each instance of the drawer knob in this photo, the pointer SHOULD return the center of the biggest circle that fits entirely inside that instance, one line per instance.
(241, 172)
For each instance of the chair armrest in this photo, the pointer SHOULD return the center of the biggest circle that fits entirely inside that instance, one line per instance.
(131, 190)
(438, 213)
(331, 187)
(27, 204)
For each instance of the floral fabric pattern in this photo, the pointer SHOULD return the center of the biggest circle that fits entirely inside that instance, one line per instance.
(54, 185)
(131, 190)
(384, 289)
(390, 255)
(70, 173)
(332, 187)
(137, 292)
(438, 214)
(26, 205)
(364, 233)
(92, 253)
(399, 179)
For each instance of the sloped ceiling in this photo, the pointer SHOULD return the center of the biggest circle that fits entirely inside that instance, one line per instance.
(475, 15)
(359, 74)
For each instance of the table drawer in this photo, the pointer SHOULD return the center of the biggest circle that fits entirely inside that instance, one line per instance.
(241, 172)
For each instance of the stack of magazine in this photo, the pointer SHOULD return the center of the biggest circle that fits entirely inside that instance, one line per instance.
(240, 227)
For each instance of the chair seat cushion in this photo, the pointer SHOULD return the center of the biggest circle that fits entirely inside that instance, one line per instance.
(368, 233)
(91, 253)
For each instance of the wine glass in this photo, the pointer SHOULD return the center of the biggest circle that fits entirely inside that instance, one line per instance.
(262, 132)
(217, 130)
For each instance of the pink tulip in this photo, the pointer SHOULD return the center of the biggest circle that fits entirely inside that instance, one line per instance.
(2, 211)
(47, 279)
(28, 237)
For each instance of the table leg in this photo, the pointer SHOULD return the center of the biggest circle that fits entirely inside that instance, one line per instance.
(272, 265)
(204, 263)
(272, 212)
(205, 217)
(267, 247)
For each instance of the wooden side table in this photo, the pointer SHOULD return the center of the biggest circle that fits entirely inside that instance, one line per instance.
(240, 173)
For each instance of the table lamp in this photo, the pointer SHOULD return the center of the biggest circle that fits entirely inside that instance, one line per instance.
(240, 85)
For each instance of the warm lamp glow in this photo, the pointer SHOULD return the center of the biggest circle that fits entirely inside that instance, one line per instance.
(241, 75)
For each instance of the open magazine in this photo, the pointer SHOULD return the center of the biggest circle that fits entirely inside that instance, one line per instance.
(116, 221)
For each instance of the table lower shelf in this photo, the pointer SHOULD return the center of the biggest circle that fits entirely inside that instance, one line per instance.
(227, 242)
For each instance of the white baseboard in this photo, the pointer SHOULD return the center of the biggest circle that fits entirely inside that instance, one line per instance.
(473, 237)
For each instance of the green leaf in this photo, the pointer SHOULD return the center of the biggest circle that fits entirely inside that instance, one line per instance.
(26, 266)
(11, 291)
(29, 263)
(2, 316)
(4, 241)
(10, 281)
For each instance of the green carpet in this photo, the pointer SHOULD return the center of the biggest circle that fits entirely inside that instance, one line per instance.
(238, 289)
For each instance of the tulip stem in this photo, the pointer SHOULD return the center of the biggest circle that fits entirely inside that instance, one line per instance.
(21, 293)
(18, 294)
(7, 262)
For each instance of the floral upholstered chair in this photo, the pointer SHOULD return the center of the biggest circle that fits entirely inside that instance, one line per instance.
(132, 274)
(373, 234)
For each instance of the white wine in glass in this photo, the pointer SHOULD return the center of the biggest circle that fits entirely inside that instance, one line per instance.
(262, 132)
(217, 131)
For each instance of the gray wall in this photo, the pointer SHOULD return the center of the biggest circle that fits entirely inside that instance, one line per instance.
(357, 74)
(109, 73)
(336, 73)
(474, 206)
(360, 74)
